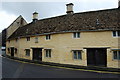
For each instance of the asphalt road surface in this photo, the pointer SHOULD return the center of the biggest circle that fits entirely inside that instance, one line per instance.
(15, 69)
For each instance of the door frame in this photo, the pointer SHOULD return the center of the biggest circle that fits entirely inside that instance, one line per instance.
(33, 48)
(12, 51)
(95, 63)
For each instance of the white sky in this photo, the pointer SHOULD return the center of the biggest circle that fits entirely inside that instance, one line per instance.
(9, 10)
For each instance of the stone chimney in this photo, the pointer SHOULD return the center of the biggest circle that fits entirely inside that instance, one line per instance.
(118, 3)
(69, 8)
(35, 16)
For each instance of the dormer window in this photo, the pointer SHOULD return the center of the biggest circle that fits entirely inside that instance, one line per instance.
(116, 33)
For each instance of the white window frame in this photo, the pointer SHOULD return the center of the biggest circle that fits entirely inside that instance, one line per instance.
(48, 37)
(26, 52)
(75, 35)
(77, 54)
(28, 38)
(49, 53)
(118, 55)
(116, 33)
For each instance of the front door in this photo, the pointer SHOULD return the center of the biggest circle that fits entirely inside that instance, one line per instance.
(37, 54)
(97, 56)
(12, 51)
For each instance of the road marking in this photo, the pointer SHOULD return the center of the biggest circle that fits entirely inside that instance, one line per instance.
(18, 71)
(66, 67)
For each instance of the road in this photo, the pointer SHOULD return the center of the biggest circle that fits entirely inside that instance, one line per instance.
(15, 69)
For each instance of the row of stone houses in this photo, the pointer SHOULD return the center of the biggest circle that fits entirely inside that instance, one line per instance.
(85, 38)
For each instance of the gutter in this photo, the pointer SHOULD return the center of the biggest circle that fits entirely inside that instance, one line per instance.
(100, 30)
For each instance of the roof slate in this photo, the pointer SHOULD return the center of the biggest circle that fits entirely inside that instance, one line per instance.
(85, 21)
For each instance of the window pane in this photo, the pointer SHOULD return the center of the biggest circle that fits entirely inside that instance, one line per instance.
(114, 54)
(114, 33)
(46, 53)
(46, 37)
(78, 35)
(119, 33)
(119, 55)
(50, 54)
(75, 55)
(74, 35)
(28, 38)
(27, 52)
(49, 36)
(79, 55)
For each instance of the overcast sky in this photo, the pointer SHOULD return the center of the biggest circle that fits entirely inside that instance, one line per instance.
(10, 10)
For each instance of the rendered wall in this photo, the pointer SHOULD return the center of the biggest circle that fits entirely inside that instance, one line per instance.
(63, 44)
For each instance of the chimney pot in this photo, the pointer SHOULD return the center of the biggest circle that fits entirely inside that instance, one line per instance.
(69, 8)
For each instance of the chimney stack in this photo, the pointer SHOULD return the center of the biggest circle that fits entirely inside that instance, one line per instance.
(118, 3)
(35, 16)
(69, 8)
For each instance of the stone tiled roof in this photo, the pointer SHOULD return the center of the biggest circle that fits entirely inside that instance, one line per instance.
(85, 21)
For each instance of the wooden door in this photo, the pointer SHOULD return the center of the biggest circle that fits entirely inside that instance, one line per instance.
(37, 54)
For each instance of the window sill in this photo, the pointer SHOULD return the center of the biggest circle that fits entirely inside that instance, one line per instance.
(48, 57)
(76, 38)
(27, 55)
(115, 59)
(77, 59)
(116, 37)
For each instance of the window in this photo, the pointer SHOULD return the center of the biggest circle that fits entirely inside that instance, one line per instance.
(28, 38)
(119, 33)
(16, 39)
(48, 37)
(116, 33)
(77, 54)
(76, 35)
(8, 50)
(48, 53)
(116, 55)
(36, 39)
(15, 50)
(27, 52)
(9, 41)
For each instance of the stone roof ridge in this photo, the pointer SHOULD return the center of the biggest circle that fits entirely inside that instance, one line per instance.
(77, 13)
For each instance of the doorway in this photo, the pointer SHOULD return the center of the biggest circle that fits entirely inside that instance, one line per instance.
(97, 57)
(12, 51)
(37, 54)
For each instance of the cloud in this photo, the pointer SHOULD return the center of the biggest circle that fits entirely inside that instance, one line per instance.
(59, 0)
(48, 9)
(6, 19)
